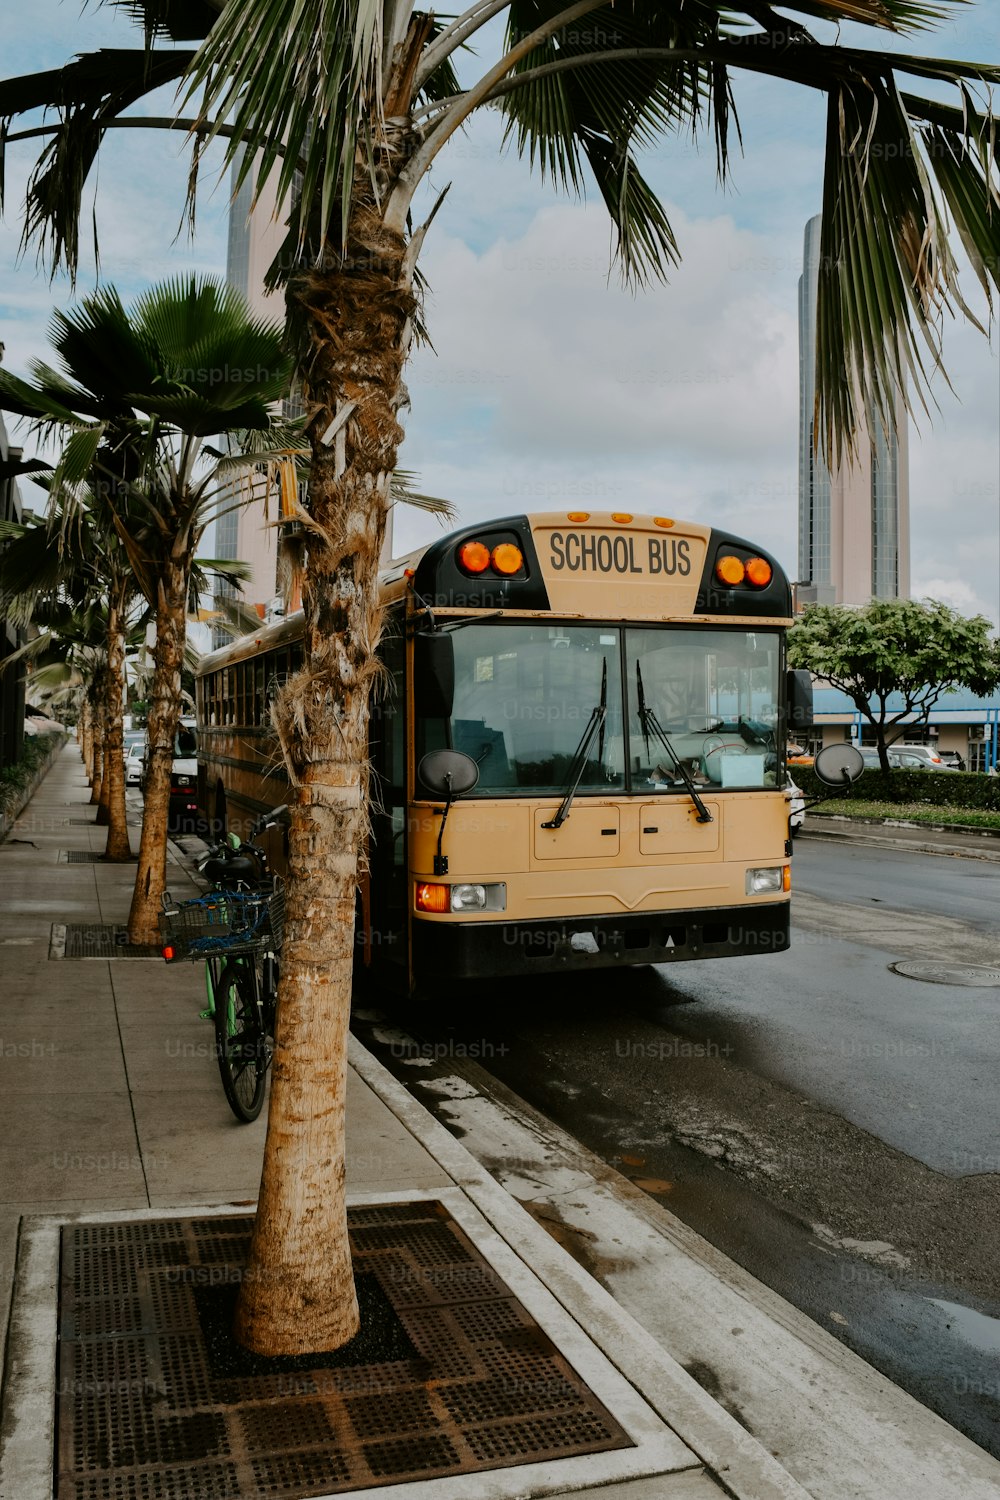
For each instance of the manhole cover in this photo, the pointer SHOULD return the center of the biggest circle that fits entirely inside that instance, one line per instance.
(964, 974)
(99, 940)
(157, 1402)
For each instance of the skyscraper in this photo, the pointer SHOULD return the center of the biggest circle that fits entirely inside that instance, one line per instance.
(243, 531)
(854, 533)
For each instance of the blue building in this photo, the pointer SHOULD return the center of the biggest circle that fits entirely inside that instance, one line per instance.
(959, 721)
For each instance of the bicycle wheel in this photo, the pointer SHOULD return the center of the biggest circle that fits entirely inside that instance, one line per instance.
(243, 1049)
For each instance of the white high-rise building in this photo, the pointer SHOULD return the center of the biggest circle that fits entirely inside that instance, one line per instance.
(244, 532)
(854, 521)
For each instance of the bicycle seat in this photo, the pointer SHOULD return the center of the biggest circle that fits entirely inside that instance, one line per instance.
(225, 871)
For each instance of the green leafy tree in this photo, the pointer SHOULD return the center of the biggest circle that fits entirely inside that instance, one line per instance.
(148, 386)
(350, 103)
(895, 649)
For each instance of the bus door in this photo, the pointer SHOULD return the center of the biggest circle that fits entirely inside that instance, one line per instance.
(387, 882)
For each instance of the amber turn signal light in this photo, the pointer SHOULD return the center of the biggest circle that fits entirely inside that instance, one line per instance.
(507, 559)
(758, 572)
(730, 570)
(435, 898)
(473, 557)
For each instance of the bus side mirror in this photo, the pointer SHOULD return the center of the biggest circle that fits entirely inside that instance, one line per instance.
(434, 674)
(800, 699)
(839, 765)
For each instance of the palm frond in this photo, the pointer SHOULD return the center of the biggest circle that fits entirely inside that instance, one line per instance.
(964, 167)
(401, 492)
(571, 99)
(176, 20)
(308, 97)
(885, 265)
(87, 93)
(890, 15)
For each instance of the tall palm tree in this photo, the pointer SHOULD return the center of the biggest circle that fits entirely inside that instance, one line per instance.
(349, 103)
(139, 392)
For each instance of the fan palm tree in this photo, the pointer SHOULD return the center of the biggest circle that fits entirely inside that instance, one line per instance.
(349, 103)
(139, 392)
(77, 551)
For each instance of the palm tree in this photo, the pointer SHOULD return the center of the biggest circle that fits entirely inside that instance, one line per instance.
(350, 103)
(77, 552)
(147, 387)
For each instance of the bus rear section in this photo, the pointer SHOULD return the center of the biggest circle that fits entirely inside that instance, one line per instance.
(628, 750)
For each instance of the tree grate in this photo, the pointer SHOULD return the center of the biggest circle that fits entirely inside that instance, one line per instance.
(104, 940)
(88, 857)
(449, 1375)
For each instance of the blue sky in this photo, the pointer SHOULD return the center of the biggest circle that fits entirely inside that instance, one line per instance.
(551, 383)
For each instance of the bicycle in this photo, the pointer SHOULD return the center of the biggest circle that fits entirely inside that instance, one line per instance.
(236, 929)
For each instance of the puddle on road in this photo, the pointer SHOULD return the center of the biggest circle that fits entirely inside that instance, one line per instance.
(973, 1327)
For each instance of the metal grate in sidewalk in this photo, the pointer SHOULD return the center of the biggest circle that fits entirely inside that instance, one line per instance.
(450, 1375)
(97, 940)
(88, 857)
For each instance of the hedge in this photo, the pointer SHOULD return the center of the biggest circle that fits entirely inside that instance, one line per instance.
(932, 788)
(16, 779)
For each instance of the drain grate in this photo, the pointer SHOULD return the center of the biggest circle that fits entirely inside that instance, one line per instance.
(972, 975)
(88, 857)
(456, 1377)
(100, 940)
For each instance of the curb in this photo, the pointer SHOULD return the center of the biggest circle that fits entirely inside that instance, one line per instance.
(730, 1453)
(963, 828)
(849, 834)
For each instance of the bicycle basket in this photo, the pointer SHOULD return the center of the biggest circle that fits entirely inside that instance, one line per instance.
(222, 922)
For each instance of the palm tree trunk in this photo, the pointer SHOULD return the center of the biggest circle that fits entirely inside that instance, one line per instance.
(86, 739)
(118, 847)
(298, 1293)
(97, 774)
(164, 712)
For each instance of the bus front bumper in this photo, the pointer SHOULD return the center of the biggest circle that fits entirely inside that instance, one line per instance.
(486, 950)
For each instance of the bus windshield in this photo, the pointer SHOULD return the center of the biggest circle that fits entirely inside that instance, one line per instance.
(524, 694)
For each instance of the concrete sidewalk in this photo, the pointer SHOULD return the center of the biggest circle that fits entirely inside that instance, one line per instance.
(110, 1102)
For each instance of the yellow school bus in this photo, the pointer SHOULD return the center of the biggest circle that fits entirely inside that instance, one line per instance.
(578, 751)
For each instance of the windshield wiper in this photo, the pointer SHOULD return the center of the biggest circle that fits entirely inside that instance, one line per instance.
(651, 724)
(579, 763)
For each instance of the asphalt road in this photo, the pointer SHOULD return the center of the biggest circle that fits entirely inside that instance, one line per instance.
(828, 1124)
(967, 889)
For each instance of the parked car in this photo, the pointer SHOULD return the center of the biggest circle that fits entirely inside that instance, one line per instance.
(135, 762)
(953, 761)
(919, 758)
(796, 806)
(183, 776)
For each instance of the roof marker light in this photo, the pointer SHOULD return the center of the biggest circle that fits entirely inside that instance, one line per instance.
(662, 521)
(621, 516)
(578, 515)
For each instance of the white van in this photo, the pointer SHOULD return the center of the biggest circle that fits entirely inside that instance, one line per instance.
(183, 775)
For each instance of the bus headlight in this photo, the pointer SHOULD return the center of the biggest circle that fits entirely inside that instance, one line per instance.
(770, 878)
(479, 897)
